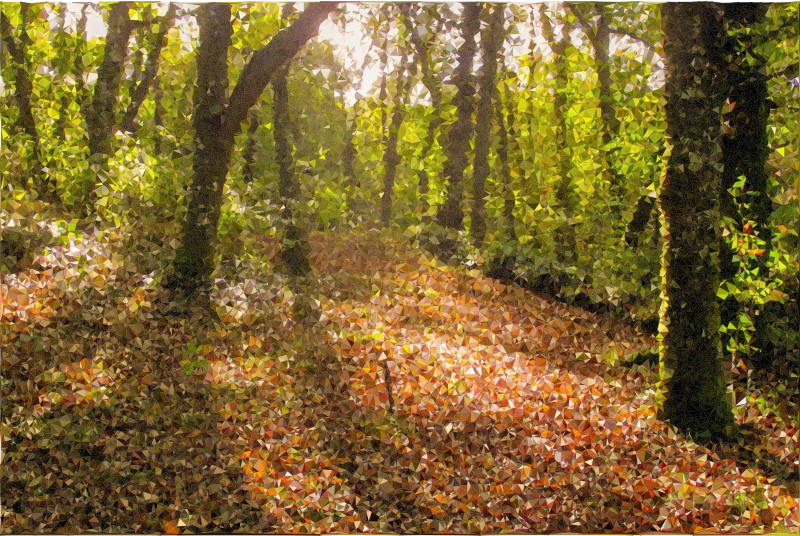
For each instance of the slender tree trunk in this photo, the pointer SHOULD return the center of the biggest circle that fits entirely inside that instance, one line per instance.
(509, 201)
(100, 117)
(250, 150)
(158, 116)
(140, 90)
(565, 234)
(600, 38)
(692, 372)
(434, 89)
(483, 123)
(391, 158)
(217, 125)
(46, 188)
(450, 214)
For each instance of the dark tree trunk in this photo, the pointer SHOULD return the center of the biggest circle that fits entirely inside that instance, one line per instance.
(100, 116)
(483, 123)
(216, 125)
(459, 136)
(692, 372)
(391, 158)
(745, 152)
(46, 189)
(139, 91)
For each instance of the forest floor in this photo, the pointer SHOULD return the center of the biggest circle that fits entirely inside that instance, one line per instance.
(416, 397)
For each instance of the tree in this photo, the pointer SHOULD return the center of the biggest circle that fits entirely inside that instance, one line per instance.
(45, 186)
(100, 115)
(459, 136)
(565, 235)
(390, 155)
(692, 373)
(600, 38)
(509, 200)
(483, 122)
(429, 80)
(140, 89)
(216, 125)
(391, 158)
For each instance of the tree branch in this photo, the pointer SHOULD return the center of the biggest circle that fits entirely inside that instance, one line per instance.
(263, 64)
(150, 70)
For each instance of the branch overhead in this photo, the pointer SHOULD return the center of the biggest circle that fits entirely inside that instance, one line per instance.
(263, 64)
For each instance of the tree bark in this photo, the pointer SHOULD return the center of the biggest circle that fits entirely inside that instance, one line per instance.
(45, 186)
(692, 373)
(391, 158)
(216, 126)
(139, 92)
(100, 116)
(450, 214)
(483, 123)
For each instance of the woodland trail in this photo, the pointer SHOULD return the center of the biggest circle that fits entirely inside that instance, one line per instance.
(426, 399)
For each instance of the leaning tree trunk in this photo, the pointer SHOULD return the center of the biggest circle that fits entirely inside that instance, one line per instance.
(140, 90)
(100, 116)
(483, 123)
(692, 375)
(216, 126)
(46, 189)
(459, 136)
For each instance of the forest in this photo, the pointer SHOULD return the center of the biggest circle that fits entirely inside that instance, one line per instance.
(399, 267)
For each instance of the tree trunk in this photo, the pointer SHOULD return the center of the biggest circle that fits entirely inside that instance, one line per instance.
(565, 234)
(434, 89)
(450, 214)
(158, 116)
(250, 150)
(139, 92)
(692, 373)
(509, 202)
(46, 188)
(745, 151)
(100, 117)
(195, 257)
(216, 126)
(600, 38)
(483, 122)
(391, 158)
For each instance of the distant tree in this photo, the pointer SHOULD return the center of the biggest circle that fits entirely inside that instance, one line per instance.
(429, 80)
(565, 234)
(100, 113)
(483, 121)
(509, 200)
(250, 150)
(141, 88)
(600, 37)
(43, 183)
(450, 214)
(391, 158)
(216, 125)
(692, 372)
